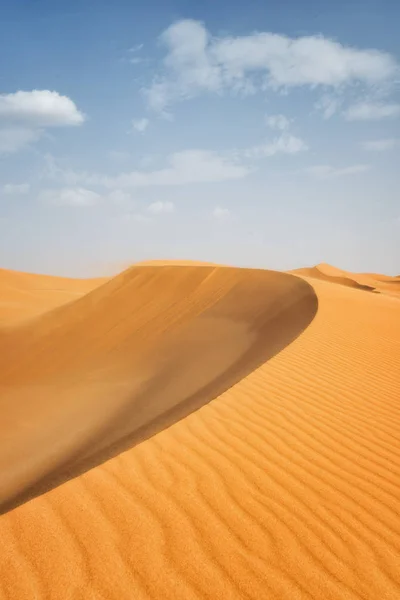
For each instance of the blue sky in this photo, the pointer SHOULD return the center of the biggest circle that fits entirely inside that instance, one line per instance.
(252, 133)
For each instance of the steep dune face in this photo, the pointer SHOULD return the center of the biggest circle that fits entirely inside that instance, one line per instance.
(286, 486)
(95, 376)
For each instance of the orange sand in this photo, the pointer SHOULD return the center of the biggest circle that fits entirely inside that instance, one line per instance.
(285, 483)
(24, 295)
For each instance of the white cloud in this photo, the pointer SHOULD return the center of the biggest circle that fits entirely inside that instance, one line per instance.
(328, 171)
(136, 48)
(284, 144)
(140, 125)
(40, 108)
(221, 213)
(161, 207)
(196, 62)
(381, 145)
(185, 167)
(365, 111)
(13, 139)
(12, 189)
(279, 122)
(70, 197)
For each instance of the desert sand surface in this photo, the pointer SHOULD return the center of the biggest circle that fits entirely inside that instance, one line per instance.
(188, 431)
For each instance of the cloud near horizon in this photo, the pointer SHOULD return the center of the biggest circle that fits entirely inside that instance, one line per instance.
(78, 196)
(365, 111)
(381, 145)
(331, 172)
(183, 168)
(12, 189)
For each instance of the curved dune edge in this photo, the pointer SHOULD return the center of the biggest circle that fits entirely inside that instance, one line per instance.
(96, 376)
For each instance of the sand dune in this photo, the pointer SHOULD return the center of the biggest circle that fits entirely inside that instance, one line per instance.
(25, 295)
(286, 485)
(131, 357)
(370, 282)
(325, 272)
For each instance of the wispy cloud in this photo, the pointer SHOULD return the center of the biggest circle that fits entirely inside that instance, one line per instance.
(79, 197)
(182, 168)
(136, 48)
(365, 111)
(140, 125)
(284, 144)
(185, 167)
(330, 172)
(13, 189)
(381, 145)
(328, 105)
(279, 122)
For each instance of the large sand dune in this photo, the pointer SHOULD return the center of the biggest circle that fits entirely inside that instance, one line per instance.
(131, 357)
(284, 484)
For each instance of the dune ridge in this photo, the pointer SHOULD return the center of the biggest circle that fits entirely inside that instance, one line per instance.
(286, 486)
(130, 357)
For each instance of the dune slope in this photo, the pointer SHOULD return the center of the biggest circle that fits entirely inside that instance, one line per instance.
(25, 295)
(286, 486)
(97, 375)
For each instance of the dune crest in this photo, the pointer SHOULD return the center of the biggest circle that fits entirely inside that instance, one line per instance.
(131, 357)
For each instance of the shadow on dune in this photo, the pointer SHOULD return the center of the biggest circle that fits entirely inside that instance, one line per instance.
(227, 322)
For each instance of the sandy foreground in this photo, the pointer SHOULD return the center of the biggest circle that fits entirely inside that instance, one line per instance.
(193, 431)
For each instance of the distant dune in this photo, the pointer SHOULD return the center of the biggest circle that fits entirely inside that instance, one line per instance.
(183, 431)
(25, 295)
(369, 282)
